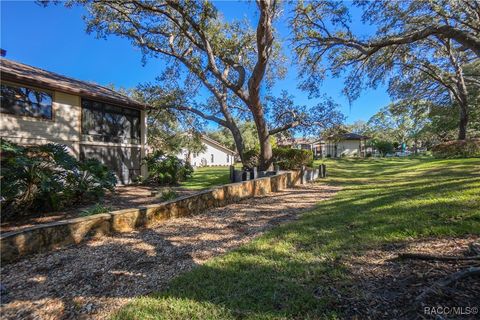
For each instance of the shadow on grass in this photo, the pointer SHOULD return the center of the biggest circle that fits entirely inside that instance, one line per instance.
(296, 271)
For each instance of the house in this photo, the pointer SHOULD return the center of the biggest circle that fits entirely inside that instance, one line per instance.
(39, 106)
(313, 144)
(343, 145)
(214, 154)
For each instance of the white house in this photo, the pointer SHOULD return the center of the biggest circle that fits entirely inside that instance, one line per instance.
(215, 154)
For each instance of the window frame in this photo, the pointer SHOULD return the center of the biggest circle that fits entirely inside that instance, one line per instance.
(111, 108)
(27, 116)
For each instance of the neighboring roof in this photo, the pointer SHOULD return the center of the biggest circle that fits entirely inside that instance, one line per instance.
(25, 74)
(217, 144)
(347, 136)
(291, 141)
(353, 136)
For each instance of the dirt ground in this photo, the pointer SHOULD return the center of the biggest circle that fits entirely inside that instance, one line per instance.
(91, 280)
(124, 197)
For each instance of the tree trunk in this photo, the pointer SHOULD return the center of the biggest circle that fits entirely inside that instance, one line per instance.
(463, 123)
(264, 139)
(237, 137)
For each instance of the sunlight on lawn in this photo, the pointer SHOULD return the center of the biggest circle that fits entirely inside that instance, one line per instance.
(274, 277)
(207, 177)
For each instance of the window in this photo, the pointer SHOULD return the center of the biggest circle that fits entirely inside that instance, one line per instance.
(228, 158)
(109, 123)
(211, 160)
(25, 101)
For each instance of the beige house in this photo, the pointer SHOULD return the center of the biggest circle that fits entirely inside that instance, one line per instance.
(345, 145)
(93, 121)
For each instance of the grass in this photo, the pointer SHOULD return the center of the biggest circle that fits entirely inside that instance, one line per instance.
(276, 275)
(207, 177)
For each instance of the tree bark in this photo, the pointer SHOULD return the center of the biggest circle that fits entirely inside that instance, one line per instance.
(264, 49)
(463, 123)
(264, 139)
(239, 144)
(463, 104)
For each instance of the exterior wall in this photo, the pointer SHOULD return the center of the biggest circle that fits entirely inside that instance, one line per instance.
(347, 148)
(63, 128)
(143, 141)
(204, 158)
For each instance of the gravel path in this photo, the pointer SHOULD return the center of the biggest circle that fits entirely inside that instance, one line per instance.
(91, 280)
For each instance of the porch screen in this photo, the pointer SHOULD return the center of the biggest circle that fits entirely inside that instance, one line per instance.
(109, 123)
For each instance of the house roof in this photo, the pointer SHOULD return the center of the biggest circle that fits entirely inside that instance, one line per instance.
(297, 141)
(217, 144)
(353, 136)
(28, 75)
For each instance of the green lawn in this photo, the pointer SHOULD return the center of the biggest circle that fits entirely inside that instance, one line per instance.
(207, 177)
(275, 276)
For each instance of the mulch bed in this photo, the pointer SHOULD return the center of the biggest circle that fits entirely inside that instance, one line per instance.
(91, 280)
(382, 286)
(124, 197)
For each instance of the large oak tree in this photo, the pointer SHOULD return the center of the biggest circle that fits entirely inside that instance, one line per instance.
(231, 60)
(425, 44)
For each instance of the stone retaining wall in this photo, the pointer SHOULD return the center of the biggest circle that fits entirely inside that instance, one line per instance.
(49, 236)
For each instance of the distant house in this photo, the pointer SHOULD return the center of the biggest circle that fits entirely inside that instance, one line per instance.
(39, 106)
(215, 154)
(315, 145)
(344, 145)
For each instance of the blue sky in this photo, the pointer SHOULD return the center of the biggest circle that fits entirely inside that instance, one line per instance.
(54, 38)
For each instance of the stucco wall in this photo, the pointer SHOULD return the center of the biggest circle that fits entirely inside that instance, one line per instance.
(16, 244)
(63, 128)
(219, 156)
(348, 148)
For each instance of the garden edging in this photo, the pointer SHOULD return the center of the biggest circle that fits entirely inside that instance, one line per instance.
(54, 235)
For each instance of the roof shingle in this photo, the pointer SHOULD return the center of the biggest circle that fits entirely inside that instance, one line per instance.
(25, 74)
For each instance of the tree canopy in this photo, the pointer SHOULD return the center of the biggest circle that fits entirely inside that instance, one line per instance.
(234, 61)
(420, 47)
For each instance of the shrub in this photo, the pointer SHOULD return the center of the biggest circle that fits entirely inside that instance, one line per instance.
(167, 169)
(384, 147)
(289, 158)
(91, 179)
(168, 195)
(47, 177)
(457, 149)
(251, 158)
(96, 209)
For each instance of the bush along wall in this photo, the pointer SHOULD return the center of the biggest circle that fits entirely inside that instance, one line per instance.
(457, 149)
(290, 159)
(167, 169)
(47, 178)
